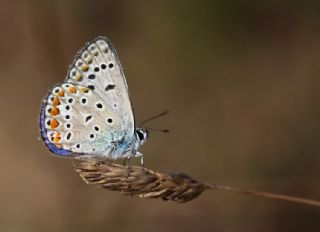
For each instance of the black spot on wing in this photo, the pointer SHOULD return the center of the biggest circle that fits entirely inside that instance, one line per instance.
(88, 118)
(92, 76)
(109, 87)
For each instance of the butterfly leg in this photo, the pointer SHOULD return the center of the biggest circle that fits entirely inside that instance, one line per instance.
(101, 161)
(139, 154)
(126, 160)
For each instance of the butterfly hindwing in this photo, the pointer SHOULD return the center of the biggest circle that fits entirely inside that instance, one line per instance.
(76, 119)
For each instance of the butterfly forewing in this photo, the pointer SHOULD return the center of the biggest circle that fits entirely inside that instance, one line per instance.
(98, 67)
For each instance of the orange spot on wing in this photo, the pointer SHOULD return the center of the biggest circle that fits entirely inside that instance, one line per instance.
(55, 101)
(78, 77)
(84, 89)
(88, 59)
(54, 123)
(61, 93)
(56, 138)
(54, 111)
(72, 89)
(84, 67)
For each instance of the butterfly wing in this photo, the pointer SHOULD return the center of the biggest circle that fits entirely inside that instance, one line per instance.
(98, 67)
(76, 120)
(92, 109)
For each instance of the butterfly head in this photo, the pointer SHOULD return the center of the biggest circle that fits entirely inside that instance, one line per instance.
(142, 135)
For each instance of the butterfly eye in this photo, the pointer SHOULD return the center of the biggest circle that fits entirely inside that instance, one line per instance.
(140, 134)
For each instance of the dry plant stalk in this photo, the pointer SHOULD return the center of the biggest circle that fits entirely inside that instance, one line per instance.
(146, 183)
(139, 181)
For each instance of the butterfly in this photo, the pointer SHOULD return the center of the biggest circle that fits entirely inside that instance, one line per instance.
(90, 113)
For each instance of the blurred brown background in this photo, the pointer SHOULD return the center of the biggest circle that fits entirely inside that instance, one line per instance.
(242, 81)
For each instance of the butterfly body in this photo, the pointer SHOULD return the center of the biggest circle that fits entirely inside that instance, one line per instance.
(90, 114)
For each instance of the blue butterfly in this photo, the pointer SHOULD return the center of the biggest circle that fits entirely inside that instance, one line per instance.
(90, 113)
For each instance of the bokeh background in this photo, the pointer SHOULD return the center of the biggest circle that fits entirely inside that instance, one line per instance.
(242, 82)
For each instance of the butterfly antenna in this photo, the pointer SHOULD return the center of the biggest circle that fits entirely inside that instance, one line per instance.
(154, 117)
(160, 130)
